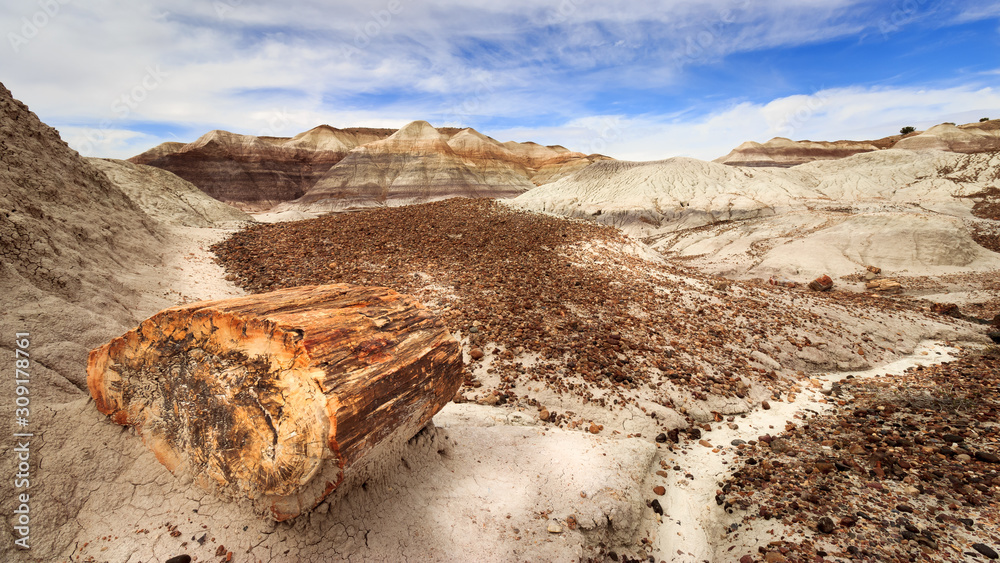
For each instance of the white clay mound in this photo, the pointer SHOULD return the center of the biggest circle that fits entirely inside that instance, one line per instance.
(900, 209)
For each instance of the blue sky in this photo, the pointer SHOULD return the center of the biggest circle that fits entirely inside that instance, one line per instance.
(634, 80)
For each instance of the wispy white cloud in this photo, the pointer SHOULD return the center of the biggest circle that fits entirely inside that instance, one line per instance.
(978, 11)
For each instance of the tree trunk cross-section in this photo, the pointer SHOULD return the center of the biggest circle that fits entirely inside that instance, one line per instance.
(276, 396)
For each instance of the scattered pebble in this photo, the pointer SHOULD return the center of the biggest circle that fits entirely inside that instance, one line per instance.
(985, 551)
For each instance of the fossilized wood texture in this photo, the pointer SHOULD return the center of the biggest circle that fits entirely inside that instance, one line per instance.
(276, 396)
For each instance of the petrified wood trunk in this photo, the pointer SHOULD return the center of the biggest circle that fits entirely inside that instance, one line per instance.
(276, 396)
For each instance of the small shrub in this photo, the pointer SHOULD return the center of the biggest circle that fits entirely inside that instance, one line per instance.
(907, 130)
(984, 119)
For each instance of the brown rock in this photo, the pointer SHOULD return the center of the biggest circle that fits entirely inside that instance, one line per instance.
(660, 490)
(476, 354)
(824, 467)
(949, 309)
(825, 525)
(822, 283)
(987, 457)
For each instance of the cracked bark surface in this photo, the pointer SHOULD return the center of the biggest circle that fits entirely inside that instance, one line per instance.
(275, 397)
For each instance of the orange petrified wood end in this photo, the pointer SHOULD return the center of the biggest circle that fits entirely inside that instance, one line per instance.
(275, 397)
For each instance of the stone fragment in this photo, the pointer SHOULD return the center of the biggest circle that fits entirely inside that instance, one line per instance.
(985, 550)
(825, 525)
(822, 283)
(987, 457)
(949, 309)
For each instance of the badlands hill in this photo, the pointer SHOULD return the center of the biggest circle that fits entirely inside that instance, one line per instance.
(258, 172)
(168, 197)
(971, 138)
(69, 237)
(327, 169)
(784, 153)
(900, 210)
(420, 164)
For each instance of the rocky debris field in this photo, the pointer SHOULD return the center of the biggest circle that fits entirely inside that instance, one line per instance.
(576, 307)
(976, 295)
(902, 469)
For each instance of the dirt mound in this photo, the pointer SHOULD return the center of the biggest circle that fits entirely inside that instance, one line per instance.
(67, 235)
(167, 197)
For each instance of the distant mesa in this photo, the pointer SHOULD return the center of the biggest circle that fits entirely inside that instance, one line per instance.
(255, 173)
(784, 153)
(327, 169)
(971, 138)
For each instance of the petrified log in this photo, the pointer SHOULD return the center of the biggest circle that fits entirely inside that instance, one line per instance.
(884, 286)
(277, 396)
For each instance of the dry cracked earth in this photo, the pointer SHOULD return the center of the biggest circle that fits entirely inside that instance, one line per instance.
(574, 323)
